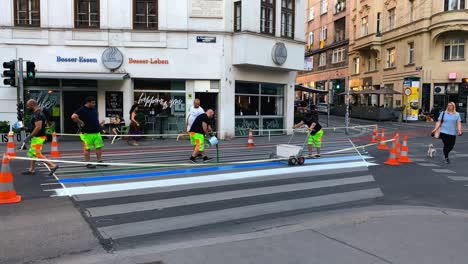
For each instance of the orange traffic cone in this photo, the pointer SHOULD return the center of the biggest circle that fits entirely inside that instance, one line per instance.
(250, 142)
(393, 159)
(11, 145)
(397, 144)
(382, 144)
(404, 155)
(7, 190)
(375, 135)
(54, 151)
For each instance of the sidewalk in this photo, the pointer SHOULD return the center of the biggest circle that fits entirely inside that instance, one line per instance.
(378, 234)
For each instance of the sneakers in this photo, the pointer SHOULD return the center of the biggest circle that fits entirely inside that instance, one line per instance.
(52, 171)
(193, 159)
(447, 161)
(90, 166)
(317, 156)
(206, 159)
(28, 172)
(102, 165)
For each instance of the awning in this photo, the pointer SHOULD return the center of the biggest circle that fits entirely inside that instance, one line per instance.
(82, 76)
(310, 90)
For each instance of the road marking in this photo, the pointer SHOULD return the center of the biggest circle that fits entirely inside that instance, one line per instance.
(221, 196)
(461, 155)
(202, 179)
(199, 219)
(428, 165)
(458, 178)
(443, 171)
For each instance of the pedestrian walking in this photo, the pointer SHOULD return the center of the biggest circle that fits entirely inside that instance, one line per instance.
(135, 126)
(447, 129)
(37, 138)
(194, 112)
(199, 129)
(87, 119)
(315, 134)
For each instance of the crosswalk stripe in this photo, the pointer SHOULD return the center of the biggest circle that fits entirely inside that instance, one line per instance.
(186, 221)
(155, 190)
(458, 178)
(197, 199)
(201, 179)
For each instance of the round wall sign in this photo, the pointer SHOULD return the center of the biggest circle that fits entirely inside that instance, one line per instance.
(112, 58)
(279, 53)
(408, 91)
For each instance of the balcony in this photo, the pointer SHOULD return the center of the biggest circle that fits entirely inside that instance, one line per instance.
(370, 41)
(448, 21)
(252, 49)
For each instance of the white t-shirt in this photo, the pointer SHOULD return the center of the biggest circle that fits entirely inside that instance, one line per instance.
(194, 113)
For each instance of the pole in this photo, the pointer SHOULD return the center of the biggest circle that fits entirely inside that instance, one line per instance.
(347, 111)
(328, 104)
(466, 115)
(20, 80)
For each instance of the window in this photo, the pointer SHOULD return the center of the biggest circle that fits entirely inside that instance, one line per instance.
(311, 38)
(323, 33)
(356, 62)
(454, 5)
(376, 63)
(267, 19)
(311, 13)
(287, 18)
(411, 53)
(338, 55)
(308, 63)
(324, 7)
(145, 14)
(87, 13)
(340, 29)
(28, 13)
(411, 3)
(364, 26)
(323, 59)
(339, 6)
(237, 16)
(369, 60)
(391, 58)
(391, 19)
(454, 49)
(378, 24)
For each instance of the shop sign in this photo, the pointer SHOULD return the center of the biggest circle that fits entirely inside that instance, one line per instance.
(147, 61)
(206, 8)
(112, 58)
(75, 59)
(452, 75)
(206, 39)
(279, 53)
(114, 103)
(149, 101)
(355, 82)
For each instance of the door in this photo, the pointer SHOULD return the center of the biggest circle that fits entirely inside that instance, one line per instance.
(209, 101)
(71, 102)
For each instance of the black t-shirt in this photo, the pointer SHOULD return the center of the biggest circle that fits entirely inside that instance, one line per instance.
(39, 116)
(90, 118)
(197, 125)
(310, 120)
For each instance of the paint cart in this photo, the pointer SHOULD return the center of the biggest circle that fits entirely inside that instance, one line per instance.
(292, 153)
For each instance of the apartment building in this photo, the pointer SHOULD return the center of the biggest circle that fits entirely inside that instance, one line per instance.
(239, 57)
(415, 47)
(326, 54)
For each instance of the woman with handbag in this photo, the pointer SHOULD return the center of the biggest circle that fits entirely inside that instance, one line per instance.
(447, 129)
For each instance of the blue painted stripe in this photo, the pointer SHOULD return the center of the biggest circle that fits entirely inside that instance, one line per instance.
(202, 170)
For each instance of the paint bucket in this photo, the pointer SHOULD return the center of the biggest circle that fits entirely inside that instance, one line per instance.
(213, 141)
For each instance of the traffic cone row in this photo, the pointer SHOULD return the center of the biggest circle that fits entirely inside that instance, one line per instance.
(7, 190)
(11, 145)
(382, 144)
(375, 135)
(250, 142)
(393, 159)
(404, 155)
(54, 151)
(398, 154)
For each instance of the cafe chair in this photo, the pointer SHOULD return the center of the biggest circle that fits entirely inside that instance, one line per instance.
(125, 130)
(174, 122)
(150, 122)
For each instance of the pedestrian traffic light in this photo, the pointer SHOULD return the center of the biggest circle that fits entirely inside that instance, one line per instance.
(30, 70)
(20, 111)
(9, 73)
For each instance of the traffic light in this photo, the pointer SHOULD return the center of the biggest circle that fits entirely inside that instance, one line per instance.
(30, 70)
(20, 111)
(463, 90)
(9, 73)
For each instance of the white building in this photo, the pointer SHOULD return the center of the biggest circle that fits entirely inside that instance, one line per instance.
(238, 57)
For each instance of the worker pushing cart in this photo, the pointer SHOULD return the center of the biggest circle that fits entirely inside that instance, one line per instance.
(316, 132)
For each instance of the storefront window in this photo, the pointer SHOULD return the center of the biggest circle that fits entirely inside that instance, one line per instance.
(49, 102)
(258, 106)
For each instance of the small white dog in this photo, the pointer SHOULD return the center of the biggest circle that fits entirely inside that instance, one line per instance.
(431, 152)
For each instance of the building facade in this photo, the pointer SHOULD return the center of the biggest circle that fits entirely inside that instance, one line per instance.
(326, 55)
(238, 57)
(415, 47)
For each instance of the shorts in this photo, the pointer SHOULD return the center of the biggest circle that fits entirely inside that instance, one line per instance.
(197, 140)
(92, 141)
(35, 151)
(316, 140)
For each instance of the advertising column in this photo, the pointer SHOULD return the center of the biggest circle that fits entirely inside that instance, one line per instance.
(411, 99)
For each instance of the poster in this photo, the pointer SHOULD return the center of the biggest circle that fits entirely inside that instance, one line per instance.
(411, 99)
(206, 8)
(114, 104)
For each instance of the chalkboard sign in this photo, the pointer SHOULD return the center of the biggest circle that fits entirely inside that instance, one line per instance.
(114, 104)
